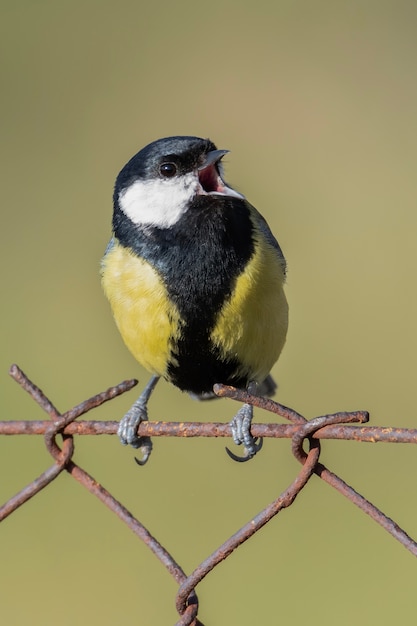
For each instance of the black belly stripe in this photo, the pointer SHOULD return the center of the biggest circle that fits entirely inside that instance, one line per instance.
(199, 259)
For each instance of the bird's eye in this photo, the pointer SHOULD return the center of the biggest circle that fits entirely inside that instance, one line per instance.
(168, 169)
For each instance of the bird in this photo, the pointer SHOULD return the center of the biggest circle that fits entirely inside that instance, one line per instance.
(195, 280)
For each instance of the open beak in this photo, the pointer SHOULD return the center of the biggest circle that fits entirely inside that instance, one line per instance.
(209, 173)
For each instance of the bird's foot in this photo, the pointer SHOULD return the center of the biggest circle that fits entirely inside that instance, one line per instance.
(128, 429)
(129, 424)
(241, 434)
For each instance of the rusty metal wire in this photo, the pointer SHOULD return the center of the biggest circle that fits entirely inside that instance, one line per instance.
(300, 430)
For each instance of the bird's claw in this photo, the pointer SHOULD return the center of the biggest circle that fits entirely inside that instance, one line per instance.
(128, 431)
(248, 454)
(146, 449)
(241, 434)
(129, 424)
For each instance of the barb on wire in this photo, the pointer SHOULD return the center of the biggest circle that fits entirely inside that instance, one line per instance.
(334, 426)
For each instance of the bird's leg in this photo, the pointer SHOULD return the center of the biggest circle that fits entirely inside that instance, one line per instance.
(128, 427)
(240, 426)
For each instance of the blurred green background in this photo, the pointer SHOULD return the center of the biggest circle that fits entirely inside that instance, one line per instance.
(317, 103)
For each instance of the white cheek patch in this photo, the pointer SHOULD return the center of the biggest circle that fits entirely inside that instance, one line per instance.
(158, 202)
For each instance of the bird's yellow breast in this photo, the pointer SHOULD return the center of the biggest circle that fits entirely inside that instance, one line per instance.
(144, 315)
(252, 324)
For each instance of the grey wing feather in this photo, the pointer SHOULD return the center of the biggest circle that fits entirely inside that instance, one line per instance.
(109, 246)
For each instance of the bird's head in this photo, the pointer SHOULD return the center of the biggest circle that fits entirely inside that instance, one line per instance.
(158, 185)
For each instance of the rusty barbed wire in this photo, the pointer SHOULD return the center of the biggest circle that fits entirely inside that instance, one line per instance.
(365, 434)
(334, 426)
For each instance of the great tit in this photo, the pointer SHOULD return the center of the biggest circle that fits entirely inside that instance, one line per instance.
(195, 280)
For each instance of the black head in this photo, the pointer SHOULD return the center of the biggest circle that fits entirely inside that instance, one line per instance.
(185, 154)
(162, 181)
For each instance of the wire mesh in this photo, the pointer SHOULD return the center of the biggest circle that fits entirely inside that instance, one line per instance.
(300, 430)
